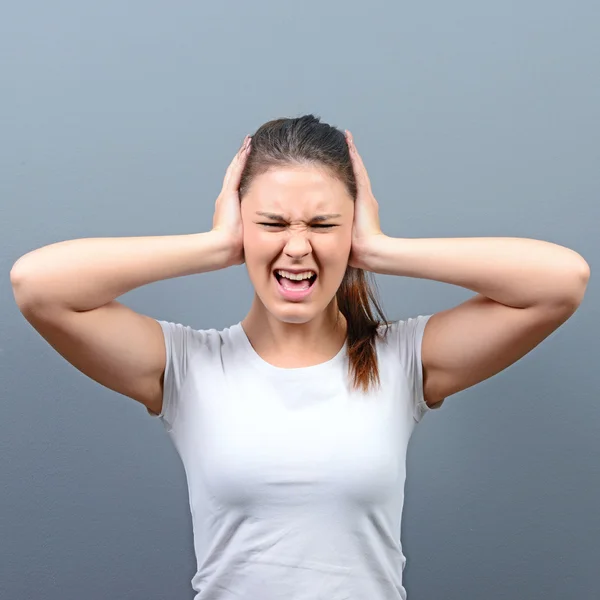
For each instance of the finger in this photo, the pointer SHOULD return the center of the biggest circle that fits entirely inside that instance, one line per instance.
(239, 163)
(360, 171)
(234, 171)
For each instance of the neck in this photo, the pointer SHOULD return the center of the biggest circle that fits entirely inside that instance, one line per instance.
(324, 333)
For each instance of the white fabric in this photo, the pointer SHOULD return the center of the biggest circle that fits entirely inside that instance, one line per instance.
(296, 481)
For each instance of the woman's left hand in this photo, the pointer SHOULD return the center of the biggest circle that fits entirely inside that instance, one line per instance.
(366, 228)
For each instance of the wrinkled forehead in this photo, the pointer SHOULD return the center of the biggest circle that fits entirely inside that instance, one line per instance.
(298, 192)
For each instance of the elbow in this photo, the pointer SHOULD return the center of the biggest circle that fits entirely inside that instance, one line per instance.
(22, 286)
(574, 297)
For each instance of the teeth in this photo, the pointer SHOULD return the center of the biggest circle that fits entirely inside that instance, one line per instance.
(295, 276)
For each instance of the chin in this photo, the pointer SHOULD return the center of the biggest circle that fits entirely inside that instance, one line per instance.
(293, 313)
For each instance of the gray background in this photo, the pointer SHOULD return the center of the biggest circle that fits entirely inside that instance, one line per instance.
(474, 119)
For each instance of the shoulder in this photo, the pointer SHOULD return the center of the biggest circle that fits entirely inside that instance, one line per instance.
(401, 341)
(190, 338)
(403, 331)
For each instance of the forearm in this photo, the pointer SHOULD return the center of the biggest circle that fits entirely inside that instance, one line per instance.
(518, 272)
(83, 274)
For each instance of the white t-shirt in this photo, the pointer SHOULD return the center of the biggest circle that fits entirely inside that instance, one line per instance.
(295, 481)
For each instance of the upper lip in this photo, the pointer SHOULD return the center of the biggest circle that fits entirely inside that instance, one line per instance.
(296, 270)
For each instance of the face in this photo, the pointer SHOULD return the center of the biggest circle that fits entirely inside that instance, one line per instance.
(296, 218)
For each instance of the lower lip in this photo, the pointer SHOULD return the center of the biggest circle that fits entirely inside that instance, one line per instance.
(293, 295)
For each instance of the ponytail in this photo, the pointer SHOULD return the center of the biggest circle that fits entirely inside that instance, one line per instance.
(354, 298)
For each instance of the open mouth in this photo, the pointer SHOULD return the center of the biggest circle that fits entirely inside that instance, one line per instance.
(294, 284)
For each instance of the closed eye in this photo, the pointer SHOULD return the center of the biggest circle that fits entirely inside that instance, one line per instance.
(282, 225)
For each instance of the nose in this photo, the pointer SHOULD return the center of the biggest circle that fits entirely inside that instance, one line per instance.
(297, 246)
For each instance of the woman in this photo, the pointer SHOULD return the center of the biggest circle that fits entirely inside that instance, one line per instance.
(293, 424)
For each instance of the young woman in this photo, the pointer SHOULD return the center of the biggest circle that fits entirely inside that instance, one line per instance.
(293, 424)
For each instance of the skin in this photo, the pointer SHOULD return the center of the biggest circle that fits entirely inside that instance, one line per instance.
(296, 333)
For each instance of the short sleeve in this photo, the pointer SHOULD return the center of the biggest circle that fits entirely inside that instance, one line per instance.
(177, 343)
(410, 338)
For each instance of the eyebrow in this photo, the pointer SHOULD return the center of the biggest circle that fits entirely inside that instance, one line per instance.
(280, 217)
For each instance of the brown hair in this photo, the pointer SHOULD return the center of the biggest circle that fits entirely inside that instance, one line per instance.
(305, 140)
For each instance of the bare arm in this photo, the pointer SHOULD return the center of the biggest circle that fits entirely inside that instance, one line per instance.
(87, 273)
(67, 292)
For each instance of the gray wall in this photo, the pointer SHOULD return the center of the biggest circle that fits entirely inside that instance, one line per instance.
(474, 119)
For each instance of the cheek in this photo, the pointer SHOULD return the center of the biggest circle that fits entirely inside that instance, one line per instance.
(258, 252)
(333, 258)
(261, 248)
(339, 245)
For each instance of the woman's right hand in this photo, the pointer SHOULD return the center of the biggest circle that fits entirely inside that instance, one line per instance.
(227, 219)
